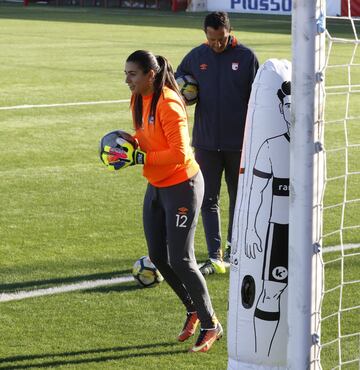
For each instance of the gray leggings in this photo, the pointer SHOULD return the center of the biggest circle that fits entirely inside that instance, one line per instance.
(170, 216)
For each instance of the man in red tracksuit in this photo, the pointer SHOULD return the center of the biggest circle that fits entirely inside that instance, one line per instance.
(224, 70)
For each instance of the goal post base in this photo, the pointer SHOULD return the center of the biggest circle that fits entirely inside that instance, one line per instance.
(236, 365)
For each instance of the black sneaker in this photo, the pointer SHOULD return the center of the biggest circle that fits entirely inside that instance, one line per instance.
(227, 253)
(213, 267)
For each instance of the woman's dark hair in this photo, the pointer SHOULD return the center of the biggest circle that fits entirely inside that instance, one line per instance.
(164, 76)
(216, 20)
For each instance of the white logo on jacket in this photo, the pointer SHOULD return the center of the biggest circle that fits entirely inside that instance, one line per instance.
(235, 66)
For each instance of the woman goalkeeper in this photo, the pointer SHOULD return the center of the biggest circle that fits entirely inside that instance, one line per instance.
(175, 189)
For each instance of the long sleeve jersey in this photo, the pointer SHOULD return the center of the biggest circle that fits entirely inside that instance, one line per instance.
(165, 139)
(225, 81)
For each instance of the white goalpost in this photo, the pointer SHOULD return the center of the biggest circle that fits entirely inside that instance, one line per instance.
(306, 184)
(324, 232)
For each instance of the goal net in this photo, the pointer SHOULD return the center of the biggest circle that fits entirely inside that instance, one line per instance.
(340, 307)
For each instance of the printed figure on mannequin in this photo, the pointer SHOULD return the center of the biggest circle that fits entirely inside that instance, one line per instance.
(271, 169)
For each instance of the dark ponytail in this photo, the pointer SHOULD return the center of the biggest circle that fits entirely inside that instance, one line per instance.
(164, 76)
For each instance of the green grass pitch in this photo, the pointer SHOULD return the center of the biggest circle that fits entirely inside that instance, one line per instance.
(64, 218)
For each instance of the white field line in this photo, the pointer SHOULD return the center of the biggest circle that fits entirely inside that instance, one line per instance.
(337, 248)
(91, 284)
(6, 297)
(64, 104)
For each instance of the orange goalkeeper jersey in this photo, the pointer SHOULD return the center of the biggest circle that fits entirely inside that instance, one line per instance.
(165, 139)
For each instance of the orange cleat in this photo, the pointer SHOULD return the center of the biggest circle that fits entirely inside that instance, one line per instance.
(189, 328)
(206, 338)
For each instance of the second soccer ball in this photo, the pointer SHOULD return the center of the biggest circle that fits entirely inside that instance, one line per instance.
(145, 273)
(189, 89)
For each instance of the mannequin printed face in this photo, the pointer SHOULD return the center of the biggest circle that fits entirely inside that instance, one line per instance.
(285, 109)
(139, 82)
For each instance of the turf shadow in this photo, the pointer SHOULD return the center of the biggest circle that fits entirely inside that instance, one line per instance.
(118, 288)
(97, 356)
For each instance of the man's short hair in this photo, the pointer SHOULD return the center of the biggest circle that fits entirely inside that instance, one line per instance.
(216, 20)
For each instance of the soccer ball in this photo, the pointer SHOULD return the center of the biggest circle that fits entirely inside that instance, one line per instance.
(145, 273)
(189, 89)
(116, 149)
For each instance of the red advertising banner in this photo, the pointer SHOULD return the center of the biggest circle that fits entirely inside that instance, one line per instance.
(354, 8)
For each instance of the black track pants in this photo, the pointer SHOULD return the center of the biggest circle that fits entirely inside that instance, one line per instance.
(170, 216)
(213, 163)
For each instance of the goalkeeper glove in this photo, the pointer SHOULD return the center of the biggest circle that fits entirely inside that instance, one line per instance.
(139, 156)
(132, 155)
(122, 157)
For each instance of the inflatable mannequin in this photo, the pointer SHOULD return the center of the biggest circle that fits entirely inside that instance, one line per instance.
(257, 322)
